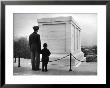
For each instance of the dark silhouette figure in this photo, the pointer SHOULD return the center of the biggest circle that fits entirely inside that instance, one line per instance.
(35, 48)
(45, 57)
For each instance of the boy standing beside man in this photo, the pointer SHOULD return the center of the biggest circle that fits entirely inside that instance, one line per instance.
(35, 48)
(45, 57)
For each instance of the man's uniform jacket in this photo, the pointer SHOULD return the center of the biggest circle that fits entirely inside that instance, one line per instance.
(34, 42)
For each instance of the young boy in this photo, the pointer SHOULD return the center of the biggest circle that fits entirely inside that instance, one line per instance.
(45, 57)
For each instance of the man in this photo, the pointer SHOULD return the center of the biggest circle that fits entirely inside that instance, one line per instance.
(35, 48)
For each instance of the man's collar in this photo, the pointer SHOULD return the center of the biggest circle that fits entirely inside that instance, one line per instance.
(35, 32)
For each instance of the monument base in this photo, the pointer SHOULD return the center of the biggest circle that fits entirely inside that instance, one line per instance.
(77, 58)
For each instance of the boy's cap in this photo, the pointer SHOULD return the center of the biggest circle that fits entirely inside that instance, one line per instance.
(45, 45)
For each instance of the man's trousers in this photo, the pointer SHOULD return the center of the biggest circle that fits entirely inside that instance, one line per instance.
(35, 60)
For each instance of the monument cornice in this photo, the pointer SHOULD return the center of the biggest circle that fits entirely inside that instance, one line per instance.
(58, 20)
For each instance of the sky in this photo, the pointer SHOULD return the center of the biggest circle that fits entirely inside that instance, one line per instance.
(23, 23)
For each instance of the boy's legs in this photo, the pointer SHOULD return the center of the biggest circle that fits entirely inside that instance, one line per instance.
(42, 66)
(46, 67)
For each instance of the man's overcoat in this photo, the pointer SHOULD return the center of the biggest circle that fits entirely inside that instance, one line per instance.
(34, 42)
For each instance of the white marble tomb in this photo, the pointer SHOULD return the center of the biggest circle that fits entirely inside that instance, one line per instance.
(62, 34)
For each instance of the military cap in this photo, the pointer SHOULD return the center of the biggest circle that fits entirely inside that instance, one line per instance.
(36, 28)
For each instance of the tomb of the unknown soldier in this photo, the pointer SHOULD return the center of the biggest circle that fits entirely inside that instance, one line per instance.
(62, 34)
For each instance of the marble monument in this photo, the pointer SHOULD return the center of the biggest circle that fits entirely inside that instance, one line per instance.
(62, 34)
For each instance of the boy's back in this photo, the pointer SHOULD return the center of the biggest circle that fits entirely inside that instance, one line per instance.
(45, 54)
(45, 57)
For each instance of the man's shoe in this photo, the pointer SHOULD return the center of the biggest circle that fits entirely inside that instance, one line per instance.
(39, 69)
(34, 69)
(46, 70)
(43, 70)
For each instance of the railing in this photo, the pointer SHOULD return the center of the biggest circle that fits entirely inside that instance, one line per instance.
(56, 60)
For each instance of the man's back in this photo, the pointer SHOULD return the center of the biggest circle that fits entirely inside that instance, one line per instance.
(34, 42)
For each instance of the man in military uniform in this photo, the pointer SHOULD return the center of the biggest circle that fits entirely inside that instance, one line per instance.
(35, 48)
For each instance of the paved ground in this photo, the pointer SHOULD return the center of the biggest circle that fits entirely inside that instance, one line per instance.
(55, 68)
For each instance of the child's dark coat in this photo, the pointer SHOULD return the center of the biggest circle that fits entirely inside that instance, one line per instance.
(45, 55)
